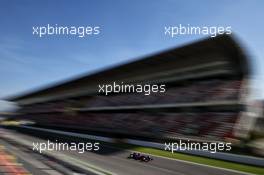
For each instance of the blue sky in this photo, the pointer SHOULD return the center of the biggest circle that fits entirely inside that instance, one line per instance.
(129, 29)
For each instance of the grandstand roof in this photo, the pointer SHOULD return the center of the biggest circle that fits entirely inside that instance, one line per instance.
(218, 55)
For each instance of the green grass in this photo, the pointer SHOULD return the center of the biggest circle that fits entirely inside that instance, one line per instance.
(190, 158)
(197, 159)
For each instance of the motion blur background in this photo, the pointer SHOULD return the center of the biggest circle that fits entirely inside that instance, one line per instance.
(214, 85)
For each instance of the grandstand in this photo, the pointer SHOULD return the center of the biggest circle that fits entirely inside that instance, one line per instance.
(206, 96)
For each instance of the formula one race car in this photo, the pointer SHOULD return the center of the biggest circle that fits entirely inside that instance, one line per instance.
(138, 156)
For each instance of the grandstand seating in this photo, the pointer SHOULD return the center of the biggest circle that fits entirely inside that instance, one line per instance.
(210, 125)
(202, 91)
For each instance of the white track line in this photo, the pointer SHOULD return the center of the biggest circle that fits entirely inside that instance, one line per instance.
(184, 161)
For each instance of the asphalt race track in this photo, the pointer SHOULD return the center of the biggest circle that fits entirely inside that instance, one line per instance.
(115, 161)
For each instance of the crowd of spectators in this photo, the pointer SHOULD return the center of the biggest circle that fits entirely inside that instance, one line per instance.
(213, 125)
(202, 91)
